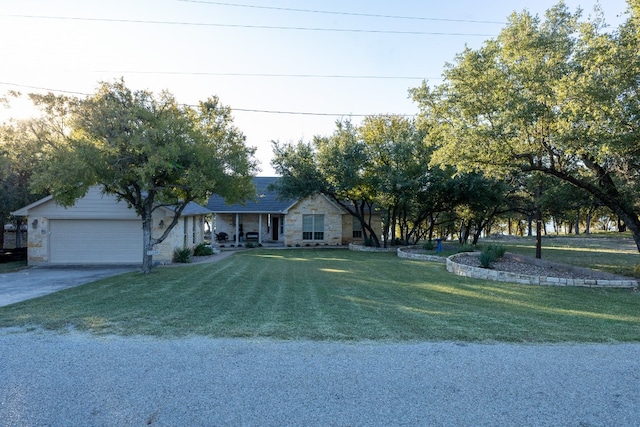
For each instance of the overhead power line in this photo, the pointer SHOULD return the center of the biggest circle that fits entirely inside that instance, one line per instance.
(245, 110)
(231, 74)
(43, 88)
(329, 12)
(259, 27)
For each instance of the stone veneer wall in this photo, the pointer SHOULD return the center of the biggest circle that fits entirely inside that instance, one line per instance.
(362, 248)
(38, 241)
(313, 205)
(407, 254)
(525, 279)
(176, 238)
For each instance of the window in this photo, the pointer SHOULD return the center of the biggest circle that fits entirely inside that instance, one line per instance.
(312, 227)
(357, 229)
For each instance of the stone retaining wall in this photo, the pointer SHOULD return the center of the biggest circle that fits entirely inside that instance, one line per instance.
(362, 248)
(525, 279)
(404, 252)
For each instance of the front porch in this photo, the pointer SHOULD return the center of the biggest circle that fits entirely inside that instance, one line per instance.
(240, 228)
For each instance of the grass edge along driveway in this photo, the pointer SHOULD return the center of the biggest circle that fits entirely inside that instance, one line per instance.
(322, 294)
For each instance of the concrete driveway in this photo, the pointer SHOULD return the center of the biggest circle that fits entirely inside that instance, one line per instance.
(38, 281)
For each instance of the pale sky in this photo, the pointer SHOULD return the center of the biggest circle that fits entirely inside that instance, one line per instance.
(255, 55)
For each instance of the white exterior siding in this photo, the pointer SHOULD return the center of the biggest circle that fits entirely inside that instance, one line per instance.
(93, 205)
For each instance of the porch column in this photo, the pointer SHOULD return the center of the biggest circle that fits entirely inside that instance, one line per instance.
(259, 229)
(237, 236)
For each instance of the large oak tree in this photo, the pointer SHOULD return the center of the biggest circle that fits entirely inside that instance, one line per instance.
(558, 96)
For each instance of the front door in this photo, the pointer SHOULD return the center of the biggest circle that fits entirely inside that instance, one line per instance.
(275, 228)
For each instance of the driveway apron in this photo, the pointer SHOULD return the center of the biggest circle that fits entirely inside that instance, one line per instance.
(38, 281)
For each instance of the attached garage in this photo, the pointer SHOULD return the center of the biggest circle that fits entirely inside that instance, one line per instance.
(100, 229)
(85, 241)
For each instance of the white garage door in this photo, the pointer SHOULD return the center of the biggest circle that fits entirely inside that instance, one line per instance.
(95, 242)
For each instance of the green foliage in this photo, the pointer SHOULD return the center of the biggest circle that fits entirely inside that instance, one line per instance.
(487, 258)
(498, 250)
(466, 247)
(202, 250)
(555, 96)
(182, 255)
(491, 254)
(428, 245)
(147, 150)
(22, 143)
(251, 245)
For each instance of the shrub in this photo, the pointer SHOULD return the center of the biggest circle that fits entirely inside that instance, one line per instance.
(490, 254)
(182, 255)
(498, 250)
(428, 245)
(487, 258)
(467, 247)
(202, 250)
(250, 245)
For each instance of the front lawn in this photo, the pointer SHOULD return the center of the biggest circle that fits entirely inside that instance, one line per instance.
(322, 294)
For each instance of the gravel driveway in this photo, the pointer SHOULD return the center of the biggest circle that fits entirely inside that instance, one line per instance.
(79, 380)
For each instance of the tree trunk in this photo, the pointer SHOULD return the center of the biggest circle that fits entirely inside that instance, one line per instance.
(633, 223)
(147, 238)
(538, 222)
(622, 225)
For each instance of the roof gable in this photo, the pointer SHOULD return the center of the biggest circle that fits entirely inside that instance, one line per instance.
(315, 198)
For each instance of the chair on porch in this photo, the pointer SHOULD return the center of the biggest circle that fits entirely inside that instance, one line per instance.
(222, 236)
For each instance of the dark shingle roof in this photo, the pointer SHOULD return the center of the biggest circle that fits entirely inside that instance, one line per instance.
(265, 201)
(193, 208)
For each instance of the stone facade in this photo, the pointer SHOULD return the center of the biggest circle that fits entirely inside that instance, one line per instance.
(38, 238)
(187, 233)
(314, 205)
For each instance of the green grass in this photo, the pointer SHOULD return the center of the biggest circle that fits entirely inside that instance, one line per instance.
(331, 295)
(7, 267)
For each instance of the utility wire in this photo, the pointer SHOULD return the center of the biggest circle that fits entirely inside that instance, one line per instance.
(328, 12)
(259, 27)
(43, 88)
(244, 110)
(319, 76)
